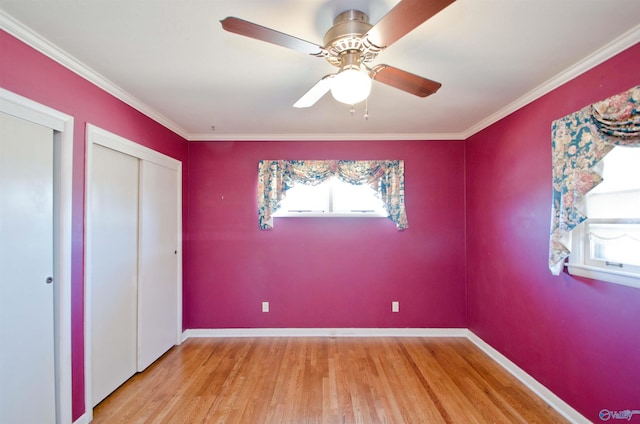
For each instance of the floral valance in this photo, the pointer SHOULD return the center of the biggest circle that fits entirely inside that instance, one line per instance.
(580, 141)
(386, 177)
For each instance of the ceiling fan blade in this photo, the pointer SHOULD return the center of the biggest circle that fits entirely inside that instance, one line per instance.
(401, 20)
(404, 80)
(316, 92)
(249, 29)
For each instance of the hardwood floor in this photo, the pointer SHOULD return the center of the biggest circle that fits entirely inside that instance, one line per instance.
(324, 380)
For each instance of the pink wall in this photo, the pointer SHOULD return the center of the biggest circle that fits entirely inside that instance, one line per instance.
(578, 337)
(30, 74)
(324, 272)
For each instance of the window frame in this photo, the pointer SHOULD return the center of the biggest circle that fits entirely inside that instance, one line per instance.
(581, 263)
(328, 212)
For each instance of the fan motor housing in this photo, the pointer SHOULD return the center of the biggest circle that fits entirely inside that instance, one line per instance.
(346, 36)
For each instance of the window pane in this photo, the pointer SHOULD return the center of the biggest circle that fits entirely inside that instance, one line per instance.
(619, 243)
(348, 197)
(331, 196)
(607, 245)
(612, 205)
(618, 196)
(302, 197)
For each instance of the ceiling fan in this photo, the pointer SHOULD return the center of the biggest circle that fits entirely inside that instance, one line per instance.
(352, 44)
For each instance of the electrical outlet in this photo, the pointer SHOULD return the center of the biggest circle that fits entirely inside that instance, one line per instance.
(265, 306)
(395, 306)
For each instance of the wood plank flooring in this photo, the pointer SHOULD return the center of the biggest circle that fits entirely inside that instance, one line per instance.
(324, 380)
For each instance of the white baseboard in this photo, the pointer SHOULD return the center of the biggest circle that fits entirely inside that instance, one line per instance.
(326, 332)
(84, 419)
(540, 390)
(545, 394)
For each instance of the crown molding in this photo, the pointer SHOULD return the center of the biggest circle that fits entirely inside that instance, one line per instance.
(618, 45)
(628, 39)
(38, 42)
(23, 33)
(326, 137)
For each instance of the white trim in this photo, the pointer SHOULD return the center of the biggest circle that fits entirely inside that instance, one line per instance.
(581, 265)
(83, 419)
(52, 51)
(626, 40)
(319, 214)
(325, 332)
(88, 271)
(618, 45)
(179, 248)
(38, 42)
(62, 124)
(329, 137)
(539, 389)
(96, 135)
(603, 274)
(15, 105)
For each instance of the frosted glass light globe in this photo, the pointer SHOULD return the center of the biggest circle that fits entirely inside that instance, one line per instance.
(351, 86)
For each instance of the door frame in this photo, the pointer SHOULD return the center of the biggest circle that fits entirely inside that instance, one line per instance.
(96, 135)
(62, 126)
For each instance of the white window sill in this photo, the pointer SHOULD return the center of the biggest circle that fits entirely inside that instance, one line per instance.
(319, 214)
(608, 275)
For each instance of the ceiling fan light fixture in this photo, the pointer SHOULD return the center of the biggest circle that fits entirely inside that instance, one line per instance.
(351, 44)
(351, 86)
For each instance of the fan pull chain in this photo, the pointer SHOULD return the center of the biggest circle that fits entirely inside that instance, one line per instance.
(352, 110)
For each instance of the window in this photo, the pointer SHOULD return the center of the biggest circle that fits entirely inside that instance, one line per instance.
(354, 188)
(607, 245)
(332, 198)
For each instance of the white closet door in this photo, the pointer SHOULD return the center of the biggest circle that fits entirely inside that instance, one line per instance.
(27, 373)
(114, 267)
(158, 277)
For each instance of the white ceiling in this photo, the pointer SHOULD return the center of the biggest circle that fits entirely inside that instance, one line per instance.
(172, 60)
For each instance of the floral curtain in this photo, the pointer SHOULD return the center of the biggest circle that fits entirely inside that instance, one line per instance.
(580, 141)
(386, 177)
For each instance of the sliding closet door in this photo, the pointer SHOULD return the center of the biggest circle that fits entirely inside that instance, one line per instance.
(133, 259)
(114, 269)
(158, 277)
